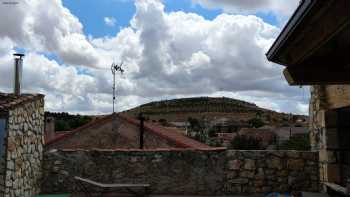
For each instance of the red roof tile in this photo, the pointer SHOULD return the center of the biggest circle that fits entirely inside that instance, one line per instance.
(165, 133)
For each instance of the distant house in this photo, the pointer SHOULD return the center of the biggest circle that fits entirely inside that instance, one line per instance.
(181, 125)
(284, 133)
(119, 131)
(226, 125)
(267, 136)
(226, 138)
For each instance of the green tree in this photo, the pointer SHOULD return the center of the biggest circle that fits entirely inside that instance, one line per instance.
(256, 122)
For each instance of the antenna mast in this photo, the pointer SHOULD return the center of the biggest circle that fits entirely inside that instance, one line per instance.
(116, 68)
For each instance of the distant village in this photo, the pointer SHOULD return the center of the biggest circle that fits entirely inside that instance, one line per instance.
(200, 146)
(237, 124)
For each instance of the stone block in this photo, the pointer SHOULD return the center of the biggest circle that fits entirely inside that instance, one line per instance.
(293, 154)
(233, 189)
(295, 164)
(327, 156)
(239, 181)
(247, 174)
(231, 174)
(231, 154)
(283, 173)
(274, 163)
(234, 164)
(249, 164)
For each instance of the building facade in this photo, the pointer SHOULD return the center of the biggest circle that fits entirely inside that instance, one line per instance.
(21, 132)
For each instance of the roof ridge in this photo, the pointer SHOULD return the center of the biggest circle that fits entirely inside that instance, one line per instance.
(177, 138)
(81, 128)
(173, 136)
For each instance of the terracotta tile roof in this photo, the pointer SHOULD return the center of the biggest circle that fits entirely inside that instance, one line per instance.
(169, 134)
(9, 101)
(165, 133)
(79, 129)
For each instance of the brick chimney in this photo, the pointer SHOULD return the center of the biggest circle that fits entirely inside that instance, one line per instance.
(49, 128)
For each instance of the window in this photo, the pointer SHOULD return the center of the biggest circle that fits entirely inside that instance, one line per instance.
(2, 136)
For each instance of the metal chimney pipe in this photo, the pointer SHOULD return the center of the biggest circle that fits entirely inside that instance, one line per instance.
(18, 73)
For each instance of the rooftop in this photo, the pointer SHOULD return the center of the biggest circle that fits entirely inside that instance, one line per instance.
(128, 134)
(9, 101)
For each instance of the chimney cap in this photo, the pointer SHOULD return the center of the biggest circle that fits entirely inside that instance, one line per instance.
(18, 54)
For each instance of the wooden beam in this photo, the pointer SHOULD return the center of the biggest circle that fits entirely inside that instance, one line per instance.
(324, 22)
(316, 76)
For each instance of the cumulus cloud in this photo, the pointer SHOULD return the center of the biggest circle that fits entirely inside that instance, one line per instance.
(279, 7)
(282, 9)
(167, 55)
(110, 21)
(48, 27)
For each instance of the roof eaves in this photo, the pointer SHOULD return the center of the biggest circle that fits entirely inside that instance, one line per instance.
(14, 101)
(298, 15)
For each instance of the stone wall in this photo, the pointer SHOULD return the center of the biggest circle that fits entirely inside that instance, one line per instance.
(267, 171)
(184, 171)
(326, 104)
(24, 149)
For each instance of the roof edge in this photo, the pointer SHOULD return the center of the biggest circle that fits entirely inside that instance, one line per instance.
(298, 15)
(91, 123)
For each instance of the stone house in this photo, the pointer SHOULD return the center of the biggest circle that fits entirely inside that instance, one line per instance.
(226, 125)
(285, 133)
(21, 142)
(313, 47)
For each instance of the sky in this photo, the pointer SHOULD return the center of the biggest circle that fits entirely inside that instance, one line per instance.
(170, 49)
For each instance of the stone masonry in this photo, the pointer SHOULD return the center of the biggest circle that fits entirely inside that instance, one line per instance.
(24, 149)
(325, 105)
(267, 171)
(185, 171)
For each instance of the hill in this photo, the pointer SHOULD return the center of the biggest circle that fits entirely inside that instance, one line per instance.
(210, 108)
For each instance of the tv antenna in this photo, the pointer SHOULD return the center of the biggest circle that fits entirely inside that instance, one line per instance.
(115, 68)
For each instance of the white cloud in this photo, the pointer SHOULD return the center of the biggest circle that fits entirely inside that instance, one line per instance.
(167, 55)
(282, 9)
(48, 27)
(279, 7)
(110, 21)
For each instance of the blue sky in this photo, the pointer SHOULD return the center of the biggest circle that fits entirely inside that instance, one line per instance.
(91, 13)
(69, 53)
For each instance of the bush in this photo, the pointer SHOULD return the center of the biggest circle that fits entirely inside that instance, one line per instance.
(297, 143)
(242, 142)
(256, 122)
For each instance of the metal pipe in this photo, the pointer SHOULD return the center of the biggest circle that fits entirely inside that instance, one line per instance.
(17, 73)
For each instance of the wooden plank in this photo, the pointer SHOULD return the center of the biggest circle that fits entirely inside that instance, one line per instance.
(326, 20)
(307, 75)
(112, 185)
(338, 96)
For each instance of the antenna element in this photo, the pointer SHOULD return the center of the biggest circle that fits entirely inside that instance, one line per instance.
(116, 68)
